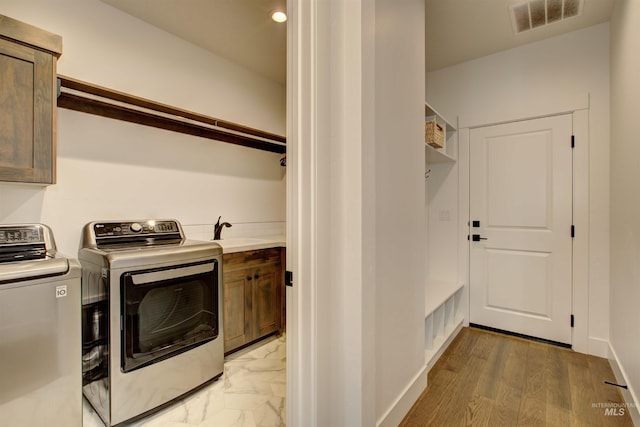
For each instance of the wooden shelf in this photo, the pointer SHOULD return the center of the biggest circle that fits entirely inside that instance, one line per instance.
(92, 99)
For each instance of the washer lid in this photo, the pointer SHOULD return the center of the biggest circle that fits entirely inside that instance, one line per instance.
(27, 270)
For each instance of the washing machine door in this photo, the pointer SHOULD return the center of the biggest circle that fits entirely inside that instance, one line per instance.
(167, 311)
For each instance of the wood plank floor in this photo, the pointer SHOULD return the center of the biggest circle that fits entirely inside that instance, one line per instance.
(490, 379)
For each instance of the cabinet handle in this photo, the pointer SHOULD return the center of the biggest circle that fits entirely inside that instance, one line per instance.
(249, 278)
(257, 276)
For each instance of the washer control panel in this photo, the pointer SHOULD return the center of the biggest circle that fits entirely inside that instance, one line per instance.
(20, 242)
(135, 228)
(26, 234)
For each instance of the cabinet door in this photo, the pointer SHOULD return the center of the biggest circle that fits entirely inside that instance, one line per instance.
(237, 311)
(26, 114)
(265, 297)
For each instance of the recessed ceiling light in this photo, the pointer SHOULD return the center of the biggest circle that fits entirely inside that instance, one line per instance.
(278, 16)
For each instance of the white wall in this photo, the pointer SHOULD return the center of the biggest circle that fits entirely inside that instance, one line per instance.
(507, 83)
(356, 222)
(399, 205)
(625, 196)
(442, 221)
(330, 314)
(109, 169)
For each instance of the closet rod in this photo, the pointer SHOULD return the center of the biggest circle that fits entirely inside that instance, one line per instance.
(127, 107)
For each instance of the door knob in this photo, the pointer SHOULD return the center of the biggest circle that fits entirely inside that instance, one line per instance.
(477, 238)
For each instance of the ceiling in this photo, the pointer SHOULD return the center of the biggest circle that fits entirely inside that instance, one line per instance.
(239, 30)
(243, 32)
(461, 30)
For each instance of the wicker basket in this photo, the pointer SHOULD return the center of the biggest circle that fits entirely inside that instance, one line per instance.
(434, 134)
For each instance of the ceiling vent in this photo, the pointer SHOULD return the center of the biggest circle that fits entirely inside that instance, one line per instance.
(527, 15)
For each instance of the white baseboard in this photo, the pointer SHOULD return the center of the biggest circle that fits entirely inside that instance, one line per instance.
(629, 396)
(394, 415)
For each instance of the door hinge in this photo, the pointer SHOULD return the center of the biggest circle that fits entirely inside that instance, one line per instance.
(572, 320)
(288, 278)
(573, 231)
(573, 141)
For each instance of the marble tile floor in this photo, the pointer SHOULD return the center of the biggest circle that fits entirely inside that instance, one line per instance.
(250, 393)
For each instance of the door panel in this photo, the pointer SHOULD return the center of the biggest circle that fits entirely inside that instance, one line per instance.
(235, 311)
(525, 160)
(265, 298)
(517, 282)
(521, 193)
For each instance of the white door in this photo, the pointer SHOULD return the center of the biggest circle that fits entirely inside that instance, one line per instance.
(521, 209)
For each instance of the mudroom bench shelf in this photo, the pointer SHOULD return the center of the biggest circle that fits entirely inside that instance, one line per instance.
(443, 317)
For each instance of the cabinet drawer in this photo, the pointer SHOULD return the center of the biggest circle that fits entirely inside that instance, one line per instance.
(249, 259)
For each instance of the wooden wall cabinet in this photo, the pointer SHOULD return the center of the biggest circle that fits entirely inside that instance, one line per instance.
(28, 89)
(252, 294)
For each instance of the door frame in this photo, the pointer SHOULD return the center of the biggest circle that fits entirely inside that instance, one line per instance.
(578, 106)
(540, 239)
(325, 79)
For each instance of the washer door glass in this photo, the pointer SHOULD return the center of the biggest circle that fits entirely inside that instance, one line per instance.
(167, 311)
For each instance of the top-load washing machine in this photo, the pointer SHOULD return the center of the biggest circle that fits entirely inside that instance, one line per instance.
(40, 330)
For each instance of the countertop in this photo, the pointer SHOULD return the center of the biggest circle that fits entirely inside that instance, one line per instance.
(241, 244)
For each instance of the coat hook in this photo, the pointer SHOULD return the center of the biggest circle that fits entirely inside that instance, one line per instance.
(426, 174)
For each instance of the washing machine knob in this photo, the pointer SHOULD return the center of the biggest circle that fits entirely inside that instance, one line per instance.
(135, 227)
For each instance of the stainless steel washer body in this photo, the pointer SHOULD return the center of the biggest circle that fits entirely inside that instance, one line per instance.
(40, 330)
(118, 395)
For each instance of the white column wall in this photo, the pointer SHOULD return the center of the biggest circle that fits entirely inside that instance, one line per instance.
(327, 121)
(356, 126)
(625, 196)
(401, 271)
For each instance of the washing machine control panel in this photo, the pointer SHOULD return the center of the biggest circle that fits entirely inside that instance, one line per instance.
(135, 228)
(14, 235)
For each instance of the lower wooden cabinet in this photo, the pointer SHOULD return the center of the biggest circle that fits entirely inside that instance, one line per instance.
(252, 292)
